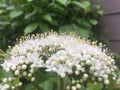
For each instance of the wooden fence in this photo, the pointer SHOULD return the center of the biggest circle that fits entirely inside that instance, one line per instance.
(111, 23)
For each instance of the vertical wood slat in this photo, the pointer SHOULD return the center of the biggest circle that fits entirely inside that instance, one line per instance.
(111, 22)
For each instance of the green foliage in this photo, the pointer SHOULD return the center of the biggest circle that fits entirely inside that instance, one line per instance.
(96, 86)
(20, 17)
(4, 74)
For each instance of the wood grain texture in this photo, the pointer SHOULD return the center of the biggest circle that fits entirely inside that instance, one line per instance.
(110, 23)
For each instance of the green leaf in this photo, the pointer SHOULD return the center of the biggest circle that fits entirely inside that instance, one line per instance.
(30, 14)
(65, 28)
(86, 24)
(84, 33)
(44, 27)
(4, 23)
(1, 12)
(100, 12)
(41, 75)
(47, 85)
(27, 86)
(10, 7)
(112, 83)
(50, 84)
(79, 4)
(83, 87)
(14, 24)
(15, 13)
(30, 28)
(15, 82)
(4, 74)
(84, 5)
(29, 0)
(93, 21)
(47, 18)
(97, 86)
(63, 2)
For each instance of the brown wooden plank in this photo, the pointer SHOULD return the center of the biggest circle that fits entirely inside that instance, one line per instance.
(115, 47)
(111, 24)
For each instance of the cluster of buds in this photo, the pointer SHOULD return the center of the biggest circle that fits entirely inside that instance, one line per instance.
(66, 55)
(10, 81)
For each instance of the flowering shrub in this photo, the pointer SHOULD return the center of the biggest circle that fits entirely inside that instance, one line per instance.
(66, 62)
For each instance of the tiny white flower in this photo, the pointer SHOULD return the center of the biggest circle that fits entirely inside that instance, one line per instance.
(88, 62)
(106, 81)
(20, 84)
(105, 76)
(99, 79)
(68, 87)
(31, 70)
(10, 79)
(24, 73)
(12, 87)
(5, 80)
(73, 88)
(32, 66)
(24, 66)
(17, 72)
(70, 64)
(77, 72)
(33, 79)
(78, 86)
(73, 81)
(7, 86)
(18, 67)
(62, 75)
(29, 75)
(85, 76)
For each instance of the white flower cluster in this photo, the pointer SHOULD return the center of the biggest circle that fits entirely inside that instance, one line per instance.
(7, 86)
(64, 54)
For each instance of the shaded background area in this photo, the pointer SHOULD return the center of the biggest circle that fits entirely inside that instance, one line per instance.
(110, 23)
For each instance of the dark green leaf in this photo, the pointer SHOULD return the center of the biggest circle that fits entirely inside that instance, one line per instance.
(63, 2)
(16, 23)
(30, 28)
(27, 86)
(29, 15)
(84, 33)
(44, 27)
(79, 4)
(47, 18)
(65, 28)
(50, 84)
(47, 85)
(84, 5)
(83, 88)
